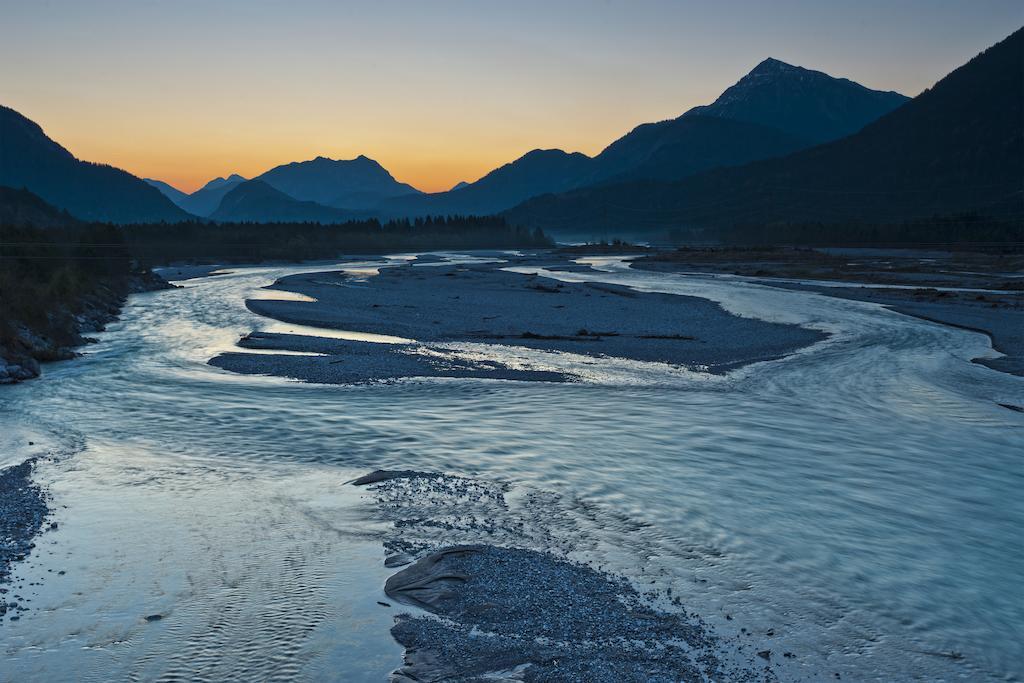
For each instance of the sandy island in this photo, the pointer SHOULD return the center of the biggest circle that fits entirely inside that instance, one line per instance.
(439, 305)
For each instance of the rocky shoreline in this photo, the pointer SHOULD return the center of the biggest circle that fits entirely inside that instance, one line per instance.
(23, 514)
(21, 354)
(500, 597)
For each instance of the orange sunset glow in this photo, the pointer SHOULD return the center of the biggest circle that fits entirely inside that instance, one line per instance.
(165, 92)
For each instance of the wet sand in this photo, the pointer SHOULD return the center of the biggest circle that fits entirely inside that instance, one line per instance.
(441, 305)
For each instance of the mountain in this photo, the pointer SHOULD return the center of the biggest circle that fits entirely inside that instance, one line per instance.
(459, 185)
(21, 208)
(169, 191)
(95, 192)
(671, 150)
(358, 183)
(809, 105)
(534, 173)
(256, 201)
(206, 199)
(957, 147)
(203, 201)
(221, 183)
(774, 110)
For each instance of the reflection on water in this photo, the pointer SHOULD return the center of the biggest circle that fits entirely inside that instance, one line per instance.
(351, 335)
(861, 499)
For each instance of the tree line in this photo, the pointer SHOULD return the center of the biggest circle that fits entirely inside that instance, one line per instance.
(49, 274)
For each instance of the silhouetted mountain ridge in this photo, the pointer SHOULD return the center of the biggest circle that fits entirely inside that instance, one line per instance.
(536, 172)
(774, 110)
(174, 194)
(219, 182)
(256, 201)
(30, 159)
(358, 183)
(956, 148)
(809, 105)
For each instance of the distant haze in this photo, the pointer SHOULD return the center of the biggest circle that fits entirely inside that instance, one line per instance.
(437, 92)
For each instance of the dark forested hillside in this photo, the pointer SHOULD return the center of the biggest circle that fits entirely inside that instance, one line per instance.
(956, 148)
(29, 159)
(21, 208)
(676, 149)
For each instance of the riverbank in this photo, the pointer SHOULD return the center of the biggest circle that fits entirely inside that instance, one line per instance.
(976, 291)
(435, 312)
(23, 514)
(56, 332)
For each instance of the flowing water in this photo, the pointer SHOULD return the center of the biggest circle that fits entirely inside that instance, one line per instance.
(861, 499)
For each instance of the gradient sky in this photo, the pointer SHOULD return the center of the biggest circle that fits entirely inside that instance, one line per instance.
(436, 91)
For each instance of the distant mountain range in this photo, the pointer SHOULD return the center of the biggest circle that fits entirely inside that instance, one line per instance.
(359, 183)
(203, 201)
(206, 199)
(257, 202)
(774, 110)
(784, 144)
(534, 173)
(958, 147)
(31, 160)
(754, 119)
(355, 185)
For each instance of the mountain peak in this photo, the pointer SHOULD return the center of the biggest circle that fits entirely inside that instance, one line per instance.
(220, 182)
(772, 66)
(321, 160)
(810, 105)
(358, 183)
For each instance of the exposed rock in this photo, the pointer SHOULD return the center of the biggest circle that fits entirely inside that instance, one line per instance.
(378, 476)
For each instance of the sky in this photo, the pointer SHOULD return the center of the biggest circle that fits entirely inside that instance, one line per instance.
(436, 91)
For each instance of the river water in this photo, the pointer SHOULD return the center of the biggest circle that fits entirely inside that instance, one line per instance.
(860, 499)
